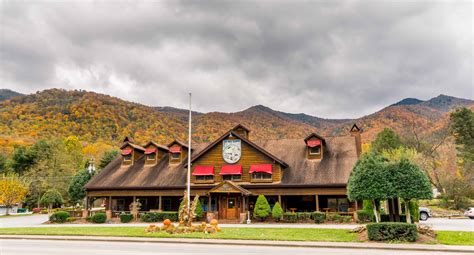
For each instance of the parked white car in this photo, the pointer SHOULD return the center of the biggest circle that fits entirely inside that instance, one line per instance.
(470, 213)
(425, 213)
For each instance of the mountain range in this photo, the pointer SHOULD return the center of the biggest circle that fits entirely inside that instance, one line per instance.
(99, 118)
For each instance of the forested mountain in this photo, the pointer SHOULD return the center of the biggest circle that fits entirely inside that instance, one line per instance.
(101, 119)
(7, 94)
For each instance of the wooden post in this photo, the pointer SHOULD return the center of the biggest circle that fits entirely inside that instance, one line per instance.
(356, 206)
(317, 202)
(279, 199)
(209, 203)
(159, 204)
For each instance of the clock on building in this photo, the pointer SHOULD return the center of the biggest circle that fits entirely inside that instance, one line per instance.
(231, 151)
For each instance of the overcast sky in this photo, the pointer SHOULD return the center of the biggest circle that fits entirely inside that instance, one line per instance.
(331, 59)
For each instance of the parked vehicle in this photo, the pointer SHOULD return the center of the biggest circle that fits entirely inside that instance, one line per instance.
(425, 213)
(470, 213)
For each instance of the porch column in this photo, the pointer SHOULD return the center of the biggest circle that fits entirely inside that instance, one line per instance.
(159, 204)
(85, 212)
(317, 202)
(108, 211)
(279, 199)
(209, 203)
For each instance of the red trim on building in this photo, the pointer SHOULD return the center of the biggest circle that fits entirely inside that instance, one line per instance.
(262, 168)
(203, 170)
(150, 150)
(231, 169)
(126, 152)
(175, 149)
(313, 143)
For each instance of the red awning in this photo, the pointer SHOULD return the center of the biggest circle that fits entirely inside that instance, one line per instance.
(203, 170)
(175, 149)
(150, 150)
(126, 152)
(313, 143)
(263, 168)
(231, 169)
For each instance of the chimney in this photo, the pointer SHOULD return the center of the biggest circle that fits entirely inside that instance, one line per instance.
(355, 132)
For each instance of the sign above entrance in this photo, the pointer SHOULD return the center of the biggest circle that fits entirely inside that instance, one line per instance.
(231, 151)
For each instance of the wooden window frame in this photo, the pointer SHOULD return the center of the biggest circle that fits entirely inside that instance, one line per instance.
(205, 179)
(253, 179)
(151, 159)
(232, 177)
(178, 158)
(128, 160)
(315, 153)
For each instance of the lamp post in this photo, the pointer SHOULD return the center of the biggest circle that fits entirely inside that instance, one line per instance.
(91, 167)
(189, 159)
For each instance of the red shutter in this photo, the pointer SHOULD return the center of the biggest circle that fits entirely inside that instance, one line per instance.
(231, 169)
(263, 168)
(203, 170)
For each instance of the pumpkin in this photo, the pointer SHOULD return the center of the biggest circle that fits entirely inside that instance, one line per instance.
(214, 222)
(167, 222)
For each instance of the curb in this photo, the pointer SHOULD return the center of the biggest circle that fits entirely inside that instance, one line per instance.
(340, 245)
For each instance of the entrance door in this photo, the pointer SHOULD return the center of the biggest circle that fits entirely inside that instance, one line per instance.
(231, 208)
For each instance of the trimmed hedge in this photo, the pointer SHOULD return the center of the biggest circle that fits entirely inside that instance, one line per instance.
(364, 216)
(290, 217)
(303, 216)
(392, 231)
(159, 216)
(59, 217)
(99, 218)
(319, 217)
(126, 218)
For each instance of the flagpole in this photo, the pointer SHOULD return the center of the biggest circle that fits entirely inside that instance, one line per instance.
(189, 156)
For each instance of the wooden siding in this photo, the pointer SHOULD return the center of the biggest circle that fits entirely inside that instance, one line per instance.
(250, 156)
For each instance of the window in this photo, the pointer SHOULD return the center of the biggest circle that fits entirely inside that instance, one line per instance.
(204, 177)
(315, 150)
(232, 177)
(261, 176)
(151, 156)
(175, 155)
(127, 157)
(167, 204)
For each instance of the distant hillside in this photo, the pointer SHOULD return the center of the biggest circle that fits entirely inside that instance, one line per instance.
(98, 118)
(408, 101)
(6, 94)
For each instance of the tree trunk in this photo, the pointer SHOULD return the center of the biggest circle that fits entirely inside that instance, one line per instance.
(376, 213)
(7, 210)
(407, 210)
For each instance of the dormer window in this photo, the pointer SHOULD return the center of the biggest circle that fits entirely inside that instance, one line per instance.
(175, 155)
(150, 154)
(127, 155)
(314, 146)
(131, 152)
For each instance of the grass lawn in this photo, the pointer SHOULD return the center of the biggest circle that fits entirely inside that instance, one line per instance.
(288, 234)
(455, 237)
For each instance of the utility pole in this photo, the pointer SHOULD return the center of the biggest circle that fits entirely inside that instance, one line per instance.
(189, 157)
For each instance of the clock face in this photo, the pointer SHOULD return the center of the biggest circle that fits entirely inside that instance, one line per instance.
(231, 151)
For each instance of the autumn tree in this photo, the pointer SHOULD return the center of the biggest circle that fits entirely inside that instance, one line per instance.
(12, 191)
(3, 164)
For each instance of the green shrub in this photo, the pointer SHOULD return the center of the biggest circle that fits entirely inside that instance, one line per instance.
(392, 231)
(290, 217)
(99, 218)
(334, 217)
(71, 219)
(159, 216)
(59, 217)
(303, 216)
(126, 218)
(262, 208)
(346, 218)
(364, 216)
(199, 211)
(277, 212)
(319, 217)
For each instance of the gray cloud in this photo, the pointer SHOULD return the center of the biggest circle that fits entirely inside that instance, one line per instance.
(327, 58)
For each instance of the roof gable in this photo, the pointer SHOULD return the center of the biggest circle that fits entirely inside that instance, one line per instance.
(159, 146)
(251, 144)
(137, 147)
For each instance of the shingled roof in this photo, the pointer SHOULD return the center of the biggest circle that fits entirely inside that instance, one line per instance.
(340, 156)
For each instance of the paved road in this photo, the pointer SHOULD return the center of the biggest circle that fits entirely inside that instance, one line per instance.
(20, 247)
(436, 223)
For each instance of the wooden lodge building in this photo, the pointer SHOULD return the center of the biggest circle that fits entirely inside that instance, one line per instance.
(304, 175)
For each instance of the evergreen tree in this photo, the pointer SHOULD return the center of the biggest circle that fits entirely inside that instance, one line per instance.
(262, 208)
(51, 198)
(277, 212)
(386, 140)
(76, 190)
(107, 158)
